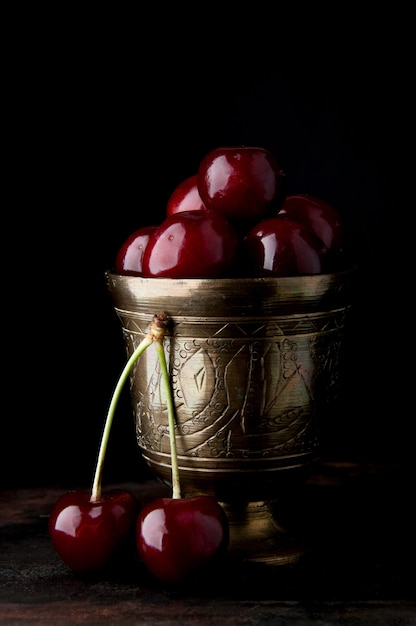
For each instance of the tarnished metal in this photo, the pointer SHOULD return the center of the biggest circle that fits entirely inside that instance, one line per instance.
(253, 363)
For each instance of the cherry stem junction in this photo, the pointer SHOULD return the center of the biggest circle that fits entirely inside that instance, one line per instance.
(156, 335)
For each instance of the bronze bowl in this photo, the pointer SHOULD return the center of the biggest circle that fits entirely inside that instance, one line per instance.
(254, 364)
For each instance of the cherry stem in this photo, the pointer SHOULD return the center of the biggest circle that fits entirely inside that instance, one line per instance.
(155, 334)
(176, 487)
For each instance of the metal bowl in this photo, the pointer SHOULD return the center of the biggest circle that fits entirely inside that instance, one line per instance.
(254, 363)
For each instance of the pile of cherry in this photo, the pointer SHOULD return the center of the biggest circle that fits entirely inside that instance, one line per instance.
(232, 218)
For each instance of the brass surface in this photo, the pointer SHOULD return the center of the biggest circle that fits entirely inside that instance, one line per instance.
(258, 536)
(253, 363)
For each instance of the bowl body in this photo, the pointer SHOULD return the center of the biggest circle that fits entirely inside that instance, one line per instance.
(254, 364)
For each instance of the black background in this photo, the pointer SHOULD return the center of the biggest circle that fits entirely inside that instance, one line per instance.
(106, 114)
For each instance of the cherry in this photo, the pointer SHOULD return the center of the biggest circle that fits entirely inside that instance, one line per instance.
(88, 533)
(130, 254)
(185, 197)
(320, 217)
(176, 536)
(191, 244)
(278, 246)
(242, 182)
(88, 529)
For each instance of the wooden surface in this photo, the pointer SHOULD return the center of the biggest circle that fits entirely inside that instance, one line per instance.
(361, 569)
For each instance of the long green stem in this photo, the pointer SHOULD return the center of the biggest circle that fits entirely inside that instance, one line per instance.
(96, 488)
(176, 488)
(156, 335)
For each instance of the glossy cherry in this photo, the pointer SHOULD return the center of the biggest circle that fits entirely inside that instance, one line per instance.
(185, 197)
(191, 244)
(88, 534)
(242, 182)
(320, 217)
(177, 536)
(130, 254)
(281, 247)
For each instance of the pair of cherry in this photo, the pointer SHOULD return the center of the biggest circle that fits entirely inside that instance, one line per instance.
(233, 218)
(174, 536)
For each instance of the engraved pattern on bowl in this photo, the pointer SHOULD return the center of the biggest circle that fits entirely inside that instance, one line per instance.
(253, 363)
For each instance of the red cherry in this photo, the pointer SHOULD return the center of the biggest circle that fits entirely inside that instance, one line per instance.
(185, 197)
(130, 254)
(191, 244)
(88, 534)
(282, 247)
(176, 536)
(319, 216)
(241, 182)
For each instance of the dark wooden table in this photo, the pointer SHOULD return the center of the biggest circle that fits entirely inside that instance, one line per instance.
(360, 570)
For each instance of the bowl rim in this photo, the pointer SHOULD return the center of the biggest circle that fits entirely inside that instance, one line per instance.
(227, 280)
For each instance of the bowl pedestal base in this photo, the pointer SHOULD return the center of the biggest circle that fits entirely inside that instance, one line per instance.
(257, 535)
